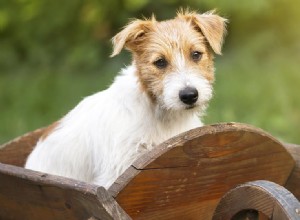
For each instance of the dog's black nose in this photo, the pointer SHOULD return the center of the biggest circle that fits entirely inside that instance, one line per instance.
(188, 95)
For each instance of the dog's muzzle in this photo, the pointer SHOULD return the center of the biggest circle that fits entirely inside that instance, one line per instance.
(188, 95)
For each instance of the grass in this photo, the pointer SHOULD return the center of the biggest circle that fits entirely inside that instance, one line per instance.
(262, 92)
(32, 100)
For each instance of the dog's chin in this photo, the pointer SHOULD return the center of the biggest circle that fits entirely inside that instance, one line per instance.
(189, 107)
(198, 108)
(166, 112)
(180, 107)
(184, 108)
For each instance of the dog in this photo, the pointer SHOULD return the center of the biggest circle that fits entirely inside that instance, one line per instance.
(163, 93)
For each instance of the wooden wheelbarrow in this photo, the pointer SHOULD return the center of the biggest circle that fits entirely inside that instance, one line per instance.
(222, 171)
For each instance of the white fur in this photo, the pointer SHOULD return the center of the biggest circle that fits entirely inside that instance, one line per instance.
(183, 77)
(107, 131)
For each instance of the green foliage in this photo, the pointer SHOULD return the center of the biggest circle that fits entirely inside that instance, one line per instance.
(53, 53)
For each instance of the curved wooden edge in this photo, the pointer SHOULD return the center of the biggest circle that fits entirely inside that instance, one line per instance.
(274, 201)
(16, 151)
(180, 139)
(144, 161)
(293, 182)
(27, 194)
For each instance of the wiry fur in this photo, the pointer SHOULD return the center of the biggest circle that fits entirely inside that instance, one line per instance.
(107, 131)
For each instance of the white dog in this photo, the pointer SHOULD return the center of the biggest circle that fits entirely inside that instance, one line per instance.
(161, 94)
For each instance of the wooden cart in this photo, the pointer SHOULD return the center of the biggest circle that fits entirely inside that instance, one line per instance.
(222, 171)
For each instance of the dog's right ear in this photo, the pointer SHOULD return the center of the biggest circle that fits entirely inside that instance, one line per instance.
(131, 35)
(211, 25)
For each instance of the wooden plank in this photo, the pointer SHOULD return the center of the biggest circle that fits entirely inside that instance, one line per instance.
(274, 201)
(186, 176)
(30, 195)
(16, 151)
(293, 182)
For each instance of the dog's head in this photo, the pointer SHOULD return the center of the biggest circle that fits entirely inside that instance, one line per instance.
(174, 58)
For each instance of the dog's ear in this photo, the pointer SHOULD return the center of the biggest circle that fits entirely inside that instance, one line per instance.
(131, 35)
(212, 26)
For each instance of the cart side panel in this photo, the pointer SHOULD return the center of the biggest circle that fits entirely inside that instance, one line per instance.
(31, 195)
(293, 182)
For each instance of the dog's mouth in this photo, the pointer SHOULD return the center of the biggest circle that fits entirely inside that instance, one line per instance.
(190, 107)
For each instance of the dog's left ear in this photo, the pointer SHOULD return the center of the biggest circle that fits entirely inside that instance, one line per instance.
(212, 26)
(131, 35)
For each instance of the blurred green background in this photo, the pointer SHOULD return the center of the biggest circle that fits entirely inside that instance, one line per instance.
(53, 53)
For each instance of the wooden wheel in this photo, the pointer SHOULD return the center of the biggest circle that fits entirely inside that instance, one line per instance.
(270, 200)
(182, 178)
(185, 177)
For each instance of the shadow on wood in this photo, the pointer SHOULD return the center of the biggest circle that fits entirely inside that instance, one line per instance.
(183, 178)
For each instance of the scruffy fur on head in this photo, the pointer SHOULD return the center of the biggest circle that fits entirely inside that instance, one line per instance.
(174, 40)
(212, 26)
(161, 94)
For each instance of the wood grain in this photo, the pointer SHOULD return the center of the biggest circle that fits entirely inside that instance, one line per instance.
(274, 201)
(293, 182)
(185, 177)
(30, 195)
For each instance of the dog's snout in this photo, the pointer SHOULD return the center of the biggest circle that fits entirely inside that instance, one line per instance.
(188, 95)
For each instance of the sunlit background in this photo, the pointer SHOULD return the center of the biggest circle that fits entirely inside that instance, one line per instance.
(53, 53)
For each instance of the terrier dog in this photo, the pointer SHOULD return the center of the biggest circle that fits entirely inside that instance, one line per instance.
(161, 94)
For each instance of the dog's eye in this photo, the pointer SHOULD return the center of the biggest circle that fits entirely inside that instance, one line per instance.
(196, 55)
(161, 63)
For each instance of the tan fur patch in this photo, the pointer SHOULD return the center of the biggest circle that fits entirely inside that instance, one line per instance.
(167, 40)
(49, 130)
(173, 40)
